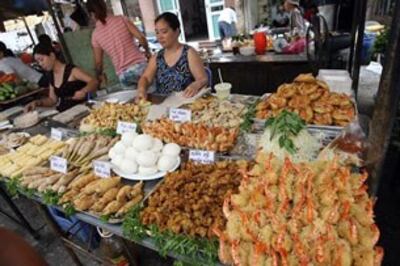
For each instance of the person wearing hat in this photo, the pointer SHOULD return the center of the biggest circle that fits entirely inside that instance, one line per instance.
(297, 22)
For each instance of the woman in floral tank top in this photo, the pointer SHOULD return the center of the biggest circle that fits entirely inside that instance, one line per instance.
(177, 67)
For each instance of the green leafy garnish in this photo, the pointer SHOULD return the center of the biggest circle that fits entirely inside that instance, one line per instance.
(28, 192)
(69, 209)
(50, 197)
(248, 118)
(198, 251)
(105, 218)
(132, 227)
(13, 185)
(285, 126)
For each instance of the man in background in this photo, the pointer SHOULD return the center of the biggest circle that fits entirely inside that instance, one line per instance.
(227, 23)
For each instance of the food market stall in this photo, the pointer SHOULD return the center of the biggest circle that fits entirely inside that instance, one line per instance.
(210, 180)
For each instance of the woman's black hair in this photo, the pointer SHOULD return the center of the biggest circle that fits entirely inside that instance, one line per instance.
(43, 49)
(6, 52)
(44, 38)
(171, 19)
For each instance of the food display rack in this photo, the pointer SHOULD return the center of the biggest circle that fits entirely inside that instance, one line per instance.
(44, 128)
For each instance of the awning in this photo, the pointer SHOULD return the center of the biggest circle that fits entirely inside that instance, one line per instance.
(11, 9)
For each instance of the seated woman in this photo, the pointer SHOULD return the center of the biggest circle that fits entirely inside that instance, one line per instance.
(69, 85)
(177, 67)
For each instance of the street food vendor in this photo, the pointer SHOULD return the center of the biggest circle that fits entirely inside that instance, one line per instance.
(9, 64)
(177, 67)
(69, 85)
(297, 22)
(115, 36)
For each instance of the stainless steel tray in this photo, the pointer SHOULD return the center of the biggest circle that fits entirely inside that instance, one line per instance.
(120, 96)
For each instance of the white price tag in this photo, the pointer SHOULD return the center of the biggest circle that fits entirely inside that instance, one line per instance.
(124, 127)
(205, 157)
(58, 164)
(102, 169)
(180, 115)
(56, 134)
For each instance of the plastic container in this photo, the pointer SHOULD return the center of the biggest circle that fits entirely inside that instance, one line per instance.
(81, 230)
(223, 90)
(368, 44)
(338, 80)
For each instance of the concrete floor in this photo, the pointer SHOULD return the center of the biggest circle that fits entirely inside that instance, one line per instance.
(54, 253)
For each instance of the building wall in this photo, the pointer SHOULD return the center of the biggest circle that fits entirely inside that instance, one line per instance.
(149, 11)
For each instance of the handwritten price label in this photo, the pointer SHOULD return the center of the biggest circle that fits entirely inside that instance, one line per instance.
(180, 115)
(124, 127)
(56, 134)
(102, 169)
(58, 164)
(204, 157)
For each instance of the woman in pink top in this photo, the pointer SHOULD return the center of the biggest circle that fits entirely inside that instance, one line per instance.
(115, 35)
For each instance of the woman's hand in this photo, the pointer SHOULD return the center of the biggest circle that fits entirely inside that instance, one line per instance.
(31, 106)
(141, 95)
(189, 92)
(79, 95)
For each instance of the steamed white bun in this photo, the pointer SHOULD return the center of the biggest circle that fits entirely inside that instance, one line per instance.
(119, 148)
(171, 149)
(129, 167)
(147, 159)
(111, 153)
(143, 142)
(157, 146)
(131, 154)
(166, 163)
(145, 171)
(128, 138)
(117, 160)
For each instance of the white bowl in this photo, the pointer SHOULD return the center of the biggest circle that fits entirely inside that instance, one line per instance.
(247, 50)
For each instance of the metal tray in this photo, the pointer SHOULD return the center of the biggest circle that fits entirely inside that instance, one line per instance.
(120, 96)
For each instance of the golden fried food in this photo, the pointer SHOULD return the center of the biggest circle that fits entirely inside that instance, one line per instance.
(305, 78)
(277, 102)
(286, 91)
(84, 202)
(312, 100)
(339, 99)
(291, 214)
(343, 114)
(107, 198)
(198, 136)
(103, 196)
(125, 208)
(190, 201)
(107, 183)
(299, 101)
(108, 115)
(323, 119)
(112, 207)
(82, 181)
(213, 112)
(322, 107)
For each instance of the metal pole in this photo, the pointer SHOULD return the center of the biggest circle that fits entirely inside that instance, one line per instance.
(386, 105)
(353, 34)
(28, 30)
(60, 34)
(359, 45)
